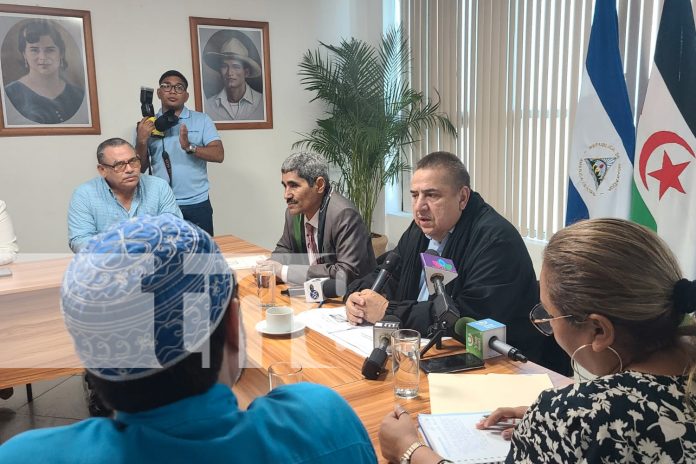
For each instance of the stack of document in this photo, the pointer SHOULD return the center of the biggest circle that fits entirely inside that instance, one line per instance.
(332, 323)
(244, 261)
(465, 393)
(459, 401)
(455, 437)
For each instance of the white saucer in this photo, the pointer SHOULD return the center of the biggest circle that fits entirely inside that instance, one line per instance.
(296, 327)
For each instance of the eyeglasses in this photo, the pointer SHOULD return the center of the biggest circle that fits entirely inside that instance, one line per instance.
(120, 166)
(176, 88)
(541, 319)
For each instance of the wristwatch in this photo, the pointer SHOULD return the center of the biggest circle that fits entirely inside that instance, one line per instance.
(406, 458)
(191, 149)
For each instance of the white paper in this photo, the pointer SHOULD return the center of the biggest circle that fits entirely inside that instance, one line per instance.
(455, 437)
(244, 261)
(332, 323)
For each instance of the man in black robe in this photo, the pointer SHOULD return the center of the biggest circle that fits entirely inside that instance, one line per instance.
(495, 279)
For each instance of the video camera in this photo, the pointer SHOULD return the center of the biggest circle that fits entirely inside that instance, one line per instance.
(165, 121)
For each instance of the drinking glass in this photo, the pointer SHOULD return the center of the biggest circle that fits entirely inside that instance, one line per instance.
(266, 284)
(284, 373)
(405, 345)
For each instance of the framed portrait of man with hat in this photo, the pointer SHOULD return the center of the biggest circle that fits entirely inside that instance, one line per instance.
(231, 70)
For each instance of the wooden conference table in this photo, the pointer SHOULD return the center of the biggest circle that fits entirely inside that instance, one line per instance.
(34, 344)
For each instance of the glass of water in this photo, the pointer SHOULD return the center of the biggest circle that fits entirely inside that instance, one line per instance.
(265, 282)
(405, 346)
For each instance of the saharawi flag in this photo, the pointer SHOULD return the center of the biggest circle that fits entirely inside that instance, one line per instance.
(664, 177)
(601, 160)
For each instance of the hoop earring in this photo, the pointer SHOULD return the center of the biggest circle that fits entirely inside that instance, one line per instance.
(574, 363)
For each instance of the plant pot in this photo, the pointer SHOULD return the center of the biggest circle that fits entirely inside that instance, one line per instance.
(379, 244)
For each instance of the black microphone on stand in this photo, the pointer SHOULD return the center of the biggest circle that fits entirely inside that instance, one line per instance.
(373, 365)
(439, 271)
(387, 268)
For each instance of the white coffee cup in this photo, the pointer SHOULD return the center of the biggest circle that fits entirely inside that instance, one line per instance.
(279, 319)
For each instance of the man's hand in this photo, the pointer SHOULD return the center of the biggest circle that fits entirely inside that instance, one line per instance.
(365, 305)
(145, 128)
(183, 137)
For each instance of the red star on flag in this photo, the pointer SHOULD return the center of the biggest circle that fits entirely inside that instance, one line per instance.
(668, 175)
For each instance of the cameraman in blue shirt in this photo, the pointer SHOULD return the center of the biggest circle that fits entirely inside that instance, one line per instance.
(181, 157)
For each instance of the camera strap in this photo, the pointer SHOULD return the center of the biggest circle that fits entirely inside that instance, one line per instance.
(167, 163)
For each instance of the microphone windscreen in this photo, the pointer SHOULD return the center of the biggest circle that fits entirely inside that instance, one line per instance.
(430, 251)
(391, 318)
(460, 326)
(333, 288)
(391, 262)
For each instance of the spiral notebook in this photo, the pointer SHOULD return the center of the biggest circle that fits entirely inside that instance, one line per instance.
(455, 437)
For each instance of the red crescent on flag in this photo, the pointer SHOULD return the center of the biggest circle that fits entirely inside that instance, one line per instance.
(650, 145)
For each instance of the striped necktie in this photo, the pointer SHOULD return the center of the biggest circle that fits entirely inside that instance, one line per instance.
(312, 249)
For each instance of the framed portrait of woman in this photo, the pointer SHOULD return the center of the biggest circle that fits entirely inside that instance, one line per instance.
(232, 72)
(47, 77)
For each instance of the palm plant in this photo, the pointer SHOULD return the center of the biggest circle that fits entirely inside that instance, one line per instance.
(372, 114)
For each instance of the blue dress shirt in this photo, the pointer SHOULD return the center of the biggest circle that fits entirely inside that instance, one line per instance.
(94, 208)
(301, 423)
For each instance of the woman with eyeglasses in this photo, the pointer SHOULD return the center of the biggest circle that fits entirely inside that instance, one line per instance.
(613, 296)
(42, 95)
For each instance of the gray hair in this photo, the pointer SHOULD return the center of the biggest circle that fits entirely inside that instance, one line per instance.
(308, 166)
(112, 142)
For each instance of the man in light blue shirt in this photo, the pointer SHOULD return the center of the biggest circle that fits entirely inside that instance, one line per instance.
(181, 157)
(167, 371)
(118, 193)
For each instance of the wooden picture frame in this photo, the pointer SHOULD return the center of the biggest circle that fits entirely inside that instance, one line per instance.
(232, 72)
(50, 87)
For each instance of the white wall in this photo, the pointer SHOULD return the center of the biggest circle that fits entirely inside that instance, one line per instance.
(134, 42)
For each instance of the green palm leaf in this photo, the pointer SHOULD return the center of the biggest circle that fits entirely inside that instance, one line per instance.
(372, 114)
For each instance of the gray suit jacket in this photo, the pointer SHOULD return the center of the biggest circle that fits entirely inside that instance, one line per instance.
(344, 244)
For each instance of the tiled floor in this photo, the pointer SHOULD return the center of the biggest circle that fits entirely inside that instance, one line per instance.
(56, 402)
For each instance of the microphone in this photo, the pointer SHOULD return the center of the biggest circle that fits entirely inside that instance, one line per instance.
(322, 288)
(390, 264)
(313, 289)
(334, 288)
(373, 366)
(506, 350)
(460, 329)
(440, 271)
(484, 337)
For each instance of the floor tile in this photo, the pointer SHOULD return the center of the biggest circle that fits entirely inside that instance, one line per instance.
(19, 398)
(66, 400)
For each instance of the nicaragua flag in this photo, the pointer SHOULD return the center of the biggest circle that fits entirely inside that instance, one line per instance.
(601, 159)
(665, 176)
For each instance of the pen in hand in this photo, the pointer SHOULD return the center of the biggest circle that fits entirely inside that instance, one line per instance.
(503, 427)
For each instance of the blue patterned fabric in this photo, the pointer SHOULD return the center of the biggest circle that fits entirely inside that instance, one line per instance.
(144, 295)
